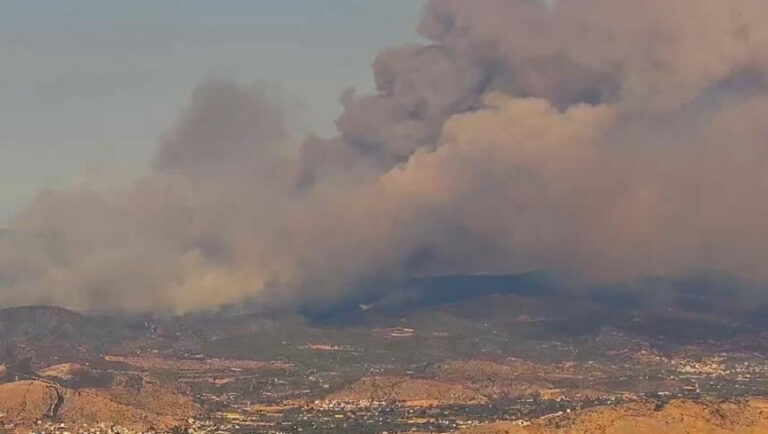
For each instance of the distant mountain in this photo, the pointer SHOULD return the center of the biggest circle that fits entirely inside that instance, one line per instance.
(535, 305)
(394, 297)
(44, 335)
(41, 322)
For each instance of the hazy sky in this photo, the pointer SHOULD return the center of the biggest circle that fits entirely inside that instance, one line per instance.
(89, 85)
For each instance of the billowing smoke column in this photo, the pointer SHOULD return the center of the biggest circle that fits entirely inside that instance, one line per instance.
(605, 139)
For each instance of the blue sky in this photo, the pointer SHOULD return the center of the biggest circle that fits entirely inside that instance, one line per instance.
(90, 85)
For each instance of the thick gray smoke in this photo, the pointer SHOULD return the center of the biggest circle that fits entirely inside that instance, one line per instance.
(606, 139)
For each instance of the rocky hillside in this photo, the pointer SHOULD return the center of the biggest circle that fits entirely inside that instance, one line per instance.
(408, 390)
(25, 402)
(708, 417)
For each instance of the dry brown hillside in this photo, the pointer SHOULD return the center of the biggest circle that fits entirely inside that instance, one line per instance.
(25, 402)
(408, 390)
(62, 371)
(685, 417)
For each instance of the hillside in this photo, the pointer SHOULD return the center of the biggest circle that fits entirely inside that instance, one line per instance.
(26, 402)
(709, 417)
(408, 390)
(443, 363)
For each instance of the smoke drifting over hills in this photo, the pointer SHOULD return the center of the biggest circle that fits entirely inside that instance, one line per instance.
(606, 139)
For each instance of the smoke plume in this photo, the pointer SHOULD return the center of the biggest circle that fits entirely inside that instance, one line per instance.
(604, 139)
